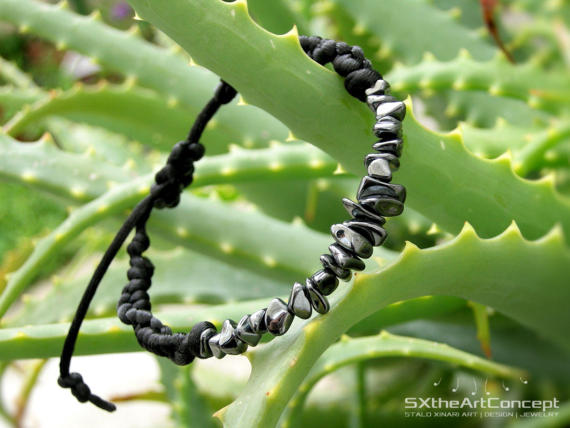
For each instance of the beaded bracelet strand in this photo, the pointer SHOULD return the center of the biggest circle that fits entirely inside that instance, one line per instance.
(354, 239)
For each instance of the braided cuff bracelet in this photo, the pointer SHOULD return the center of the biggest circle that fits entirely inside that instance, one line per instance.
(355, 238)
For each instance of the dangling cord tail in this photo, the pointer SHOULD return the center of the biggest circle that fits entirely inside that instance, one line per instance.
(164, 193)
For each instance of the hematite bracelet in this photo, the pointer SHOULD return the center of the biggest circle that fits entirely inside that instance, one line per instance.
(355, 238)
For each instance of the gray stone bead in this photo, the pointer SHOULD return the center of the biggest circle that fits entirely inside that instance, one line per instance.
(215, 347)
(371, 186)
(391, 146)
(392, 160)
(205, 336)
(257, 321)
(329, 262)
(245, 332)
(388, 127)
(360, 211)
(278, 319)
(318, 301)
(380, 87)
(228, 340)
(389, 207)
(299, 302)
(395, 109)
(386, 198)
(371, 229)
(325, 281)
(345, 258)
(374, 101)
(352, 240)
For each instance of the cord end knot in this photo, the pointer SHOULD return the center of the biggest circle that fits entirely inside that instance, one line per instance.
(81, 391)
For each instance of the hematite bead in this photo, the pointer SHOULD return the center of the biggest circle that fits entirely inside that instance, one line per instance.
(345, 258)
(205, 351)
(375, 232)
(229, 342)
(386, 198)
(360, 211)
(214, 344)
(391, 146)
(381, 165)
(380, 87)
(278, 319)
(325, 281)
(329, 262)
(318, 301)
(352, 240)
(245, 332)
(257, 321)
(392, 160)
(395, 109)
(299, 302)
(388, 127)
(374, 101)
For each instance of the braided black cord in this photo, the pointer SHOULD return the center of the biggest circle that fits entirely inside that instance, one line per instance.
(354, 238)
(169, 183)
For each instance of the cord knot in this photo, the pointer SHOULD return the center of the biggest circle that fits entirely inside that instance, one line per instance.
(81, 391)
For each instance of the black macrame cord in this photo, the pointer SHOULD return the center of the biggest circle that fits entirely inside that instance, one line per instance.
(354, 238)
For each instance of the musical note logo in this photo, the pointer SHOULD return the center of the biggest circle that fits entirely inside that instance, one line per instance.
(506, 388)
(456, 387)
(486, 392)
(437, 383)
(475, 385)
(523, 380)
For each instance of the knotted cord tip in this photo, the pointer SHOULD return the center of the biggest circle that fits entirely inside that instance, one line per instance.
(81, 391)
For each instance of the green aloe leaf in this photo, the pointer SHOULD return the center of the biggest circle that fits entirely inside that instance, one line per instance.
(505, 279)
(351, 351)
(107, 335)
(435, 165)
(404, 26)
(139, 61)
(181, 276)
(526, 82)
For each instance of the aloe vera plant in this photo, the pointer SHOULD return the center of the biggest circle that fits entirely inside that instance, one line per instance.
(470, 293)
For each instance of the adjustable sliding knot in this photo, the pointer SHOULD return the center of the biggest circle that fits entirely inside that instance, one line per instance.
(348, 61)
(176, 174)
(81, 391)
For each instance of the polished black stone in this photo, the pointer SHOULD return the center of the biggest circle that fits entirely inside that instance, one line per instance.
(215, 347)
(228, 340)
(345, 258)
(361, 211)
(245, 332)
(374, 101)
(393, 146)
(318, 301)
(352, 240)
(388, 127)
(395, 109)
(325, 281)
(278, 319)
(371, 187)
(205, 336)
(386, 198)
(392, 160)
(329, 262)
(373, 231)
(387, 206)
(257, 321)
(299, 302)
(380, 87)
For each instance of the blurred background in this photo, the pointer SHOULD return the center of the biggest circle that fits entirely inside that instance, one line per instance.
(366, 393)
